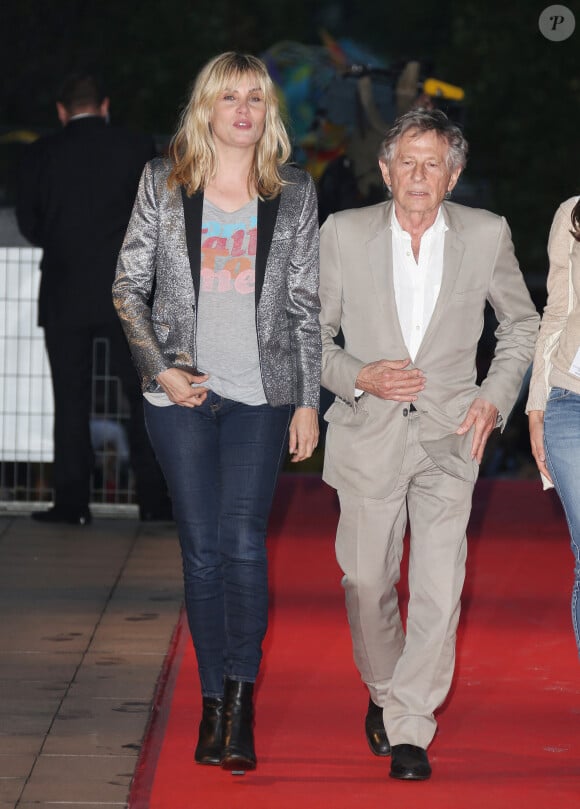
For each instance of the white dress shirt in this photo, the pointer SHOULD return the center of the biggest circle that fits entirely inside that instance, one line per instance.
(417, 283)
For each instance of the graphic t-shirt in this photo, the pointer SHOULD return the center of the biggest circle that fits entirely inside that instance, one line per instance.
(227, 341)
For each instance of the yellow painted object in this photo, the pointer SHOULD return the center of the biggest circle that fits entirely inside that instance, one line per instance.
(440, 89)
(19, 136)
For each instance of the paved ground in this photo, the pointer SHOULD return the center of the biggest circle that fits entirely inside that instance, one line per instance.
(86, 617)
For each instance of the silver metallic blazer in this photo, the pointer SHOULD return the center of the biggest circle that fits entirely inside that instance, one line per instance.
(156, 287)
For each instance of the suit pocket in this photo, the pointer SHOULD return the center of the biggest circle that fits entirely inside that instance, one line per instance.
(161, 330)
(344, 415)
(471, 292)
(283, 236)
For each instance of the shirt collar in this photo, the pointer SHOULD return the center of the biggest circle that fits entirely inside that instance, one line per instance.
(438, 225)
(80, 115)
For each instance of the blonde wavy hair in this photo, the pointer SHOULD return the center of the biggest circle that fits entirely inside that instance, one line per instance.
(192, 149)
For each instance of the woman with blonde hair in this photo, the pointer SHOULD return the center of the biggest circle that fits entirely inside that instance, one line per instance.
(216, 289)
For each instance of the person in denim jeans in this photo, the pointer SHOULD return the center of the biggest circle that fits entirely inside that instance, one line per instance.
(217, 291)
(553, 405)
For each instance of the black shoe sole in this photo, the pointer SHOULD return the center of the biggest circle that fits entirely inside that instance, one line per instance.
(208, 762)
(409, 776)
(238, 764)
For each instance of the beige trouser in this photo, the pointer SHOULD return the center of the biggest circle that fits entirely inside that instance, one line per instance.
(410, 674)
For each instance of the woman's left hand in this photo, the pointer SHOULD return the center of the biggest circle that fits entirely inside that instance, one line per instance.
(536, 425)
(304, 433)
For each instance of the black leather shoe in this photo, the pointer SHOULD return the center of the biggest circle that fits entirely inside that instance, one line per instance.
(375, 731)
(409, 763)
(211, 731)
(238, 754)
(59, 514)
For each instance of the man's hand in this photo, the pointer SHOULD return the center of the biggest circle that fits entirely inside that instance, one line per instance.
(303, 433)
(176, 382)
(389, 379)
(536, 425)
(482, 416)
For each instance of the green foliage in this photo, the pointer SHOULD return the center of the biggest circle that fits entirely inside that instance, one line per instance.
(399, 29)
(523, 121)
(148, 50)
(523, 91)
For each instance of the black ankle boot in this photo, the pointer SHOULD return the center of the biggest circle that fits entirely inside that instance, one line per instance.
(238, 752)
(210, 742)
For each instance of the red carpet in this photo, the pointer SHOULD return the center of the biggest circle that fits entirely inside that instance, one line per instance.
(509, 736)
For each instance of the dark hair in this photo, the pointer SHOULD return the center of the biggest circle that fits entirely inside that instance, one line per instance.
(80, 90)
(576, 222)
(422, 120)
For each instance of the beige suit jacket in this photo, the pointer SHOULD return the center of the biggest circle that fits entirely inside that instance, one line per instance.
(366, 438)
(559, 338)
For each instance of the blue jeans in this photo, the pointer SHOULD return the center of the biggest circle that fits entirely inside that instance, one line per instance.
(562, 442)
(221, 461)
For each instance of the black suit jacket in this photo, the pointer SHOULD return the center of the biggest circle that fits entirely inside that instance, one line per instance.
(76, 193)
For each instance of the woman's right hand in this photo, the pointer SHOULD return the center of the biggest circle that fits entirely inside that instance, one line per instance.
(536, 425)
(176, 382)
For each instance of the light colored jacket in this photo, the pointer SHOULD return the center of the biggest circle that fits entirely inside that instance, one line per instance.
(559, 338)
(365, 442)
(161, 256)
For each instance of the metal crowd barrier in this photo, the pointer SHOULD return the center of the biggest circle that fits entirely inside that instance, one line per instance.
(26, 403)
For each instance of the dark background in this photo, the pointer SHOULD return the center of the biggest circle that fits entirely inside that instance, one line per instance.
(522, 91)
(521, 110)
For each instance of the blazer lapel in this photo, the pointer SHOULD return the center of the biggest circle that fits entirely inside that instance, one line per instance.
(452, 256)
(380, 257)
(192, 213)
(267, 215)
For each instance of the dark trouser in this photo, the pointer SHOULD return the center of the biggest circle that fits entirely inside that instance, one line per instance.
(70, 352)
(221, 461)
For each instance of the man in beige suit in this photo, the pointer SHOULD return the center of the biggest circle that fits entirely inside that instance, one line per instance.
(407, 282)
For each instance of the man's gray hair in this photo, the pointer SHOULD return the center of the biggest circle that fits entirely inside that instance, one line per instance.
(419, 121)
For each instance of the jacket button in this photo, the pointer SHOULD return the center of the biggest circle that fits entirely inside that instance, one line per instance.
(405, 412)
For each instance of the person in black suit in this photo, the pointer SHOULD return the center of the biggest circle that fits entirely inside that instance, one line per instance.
(76, 193)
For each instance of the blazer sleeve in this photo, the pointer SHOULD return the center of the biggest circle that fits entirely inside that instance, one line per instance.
(517, 331)
(134, 280)
(556, 310)
(339, 368)
(303, 305)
